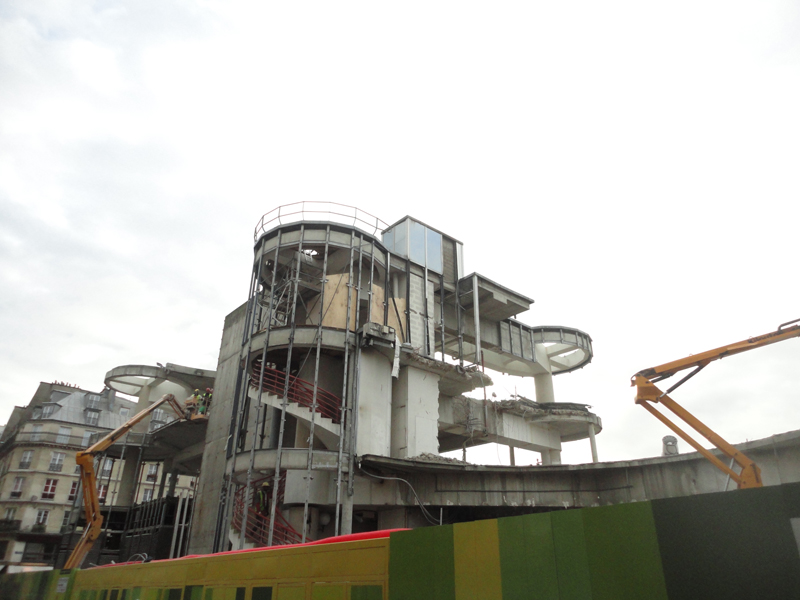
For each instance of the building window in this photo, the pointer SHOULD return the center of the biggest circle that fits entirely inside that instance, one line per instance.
(77, 469)
(124, 412)
(48, 410)
(41, 517)
(92, 417)
(148, 495)
(10, 514)
(73, 491)
(37, 413)
(414, 240)
(102, 492)
(65, 520)
(152, 472)
(108, 466)
(16, 491)
(158, 419)
(92, 401)
(36, 434)
(64, 434)
(49, 491)
(56, 462)
(25, 461)
(87, 436)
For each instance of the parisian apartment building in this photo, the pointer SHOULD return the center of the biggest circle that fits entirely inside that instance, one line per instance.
(40, 495)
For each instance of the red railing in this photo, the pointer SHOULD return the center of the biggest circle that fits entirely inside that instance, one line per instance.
(300, 391)
(257, 530)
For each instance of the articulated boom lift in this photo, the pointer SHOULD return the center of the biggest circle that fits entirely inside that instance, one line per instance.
(91, 503)
(647, 393)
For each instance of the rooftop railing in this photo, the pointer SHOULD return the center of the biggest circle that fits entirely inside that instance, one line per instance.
(319, 211)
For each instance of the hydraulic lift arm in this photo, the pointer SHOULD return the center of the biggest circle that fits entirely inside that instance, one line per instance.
(648, 394)
(91, 503)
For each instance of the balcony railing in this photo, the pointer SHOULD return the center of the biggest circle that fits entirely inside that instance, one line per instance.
(299, 391)
(16, 494)
(319, 211)
(56, 467)
(48, 437)
(7, 525)
(24, 465)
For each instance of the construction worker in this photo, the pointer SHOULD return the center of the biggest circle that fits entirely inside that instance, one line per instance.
(191, 405)
(207, 398)
(262, 498)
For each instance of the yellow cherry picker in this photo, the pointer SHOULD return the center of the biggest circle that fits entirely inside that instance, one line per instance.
(647, 394)
(91, 502)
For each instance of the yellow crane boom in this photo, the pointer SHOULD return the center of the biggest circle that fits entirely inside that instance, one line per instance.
(85, 460)
(648, 394)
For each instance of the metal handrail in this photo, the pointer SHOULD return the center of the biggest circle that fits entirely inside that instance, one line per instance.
(335, 212)
(257, 523)
(300, 391)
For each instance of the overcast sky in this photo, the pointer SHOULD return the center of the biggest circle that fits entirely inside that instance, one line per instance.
(633, 167)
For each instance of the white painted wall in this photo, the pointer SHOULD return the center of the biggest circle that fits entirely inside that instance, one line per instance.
(415, 413)
(374, 404)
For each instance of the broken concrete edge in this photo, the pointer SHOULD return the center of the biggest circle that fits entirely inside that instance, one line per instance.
(417, 464)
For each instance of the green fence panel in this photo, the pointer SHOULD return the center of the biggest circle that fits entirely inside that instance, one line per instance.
(527, 558)
(571, 559)
(728, 546)
(622, 550)
(421, 564)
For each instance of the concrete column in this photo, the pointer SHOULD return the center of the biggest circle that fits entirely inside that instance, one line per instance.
(512, 459)
(544, 387)
(593, 442)
(346, 526)
(375, 404)
(173, 481)
(551, 457)
(127, 481)
(415, 413)
(476, 313)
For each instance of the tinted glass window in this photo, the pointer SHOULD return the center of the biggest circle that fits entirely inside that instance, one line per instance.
(416, 242)
(388, 240)
(434, 251)
(400, 239)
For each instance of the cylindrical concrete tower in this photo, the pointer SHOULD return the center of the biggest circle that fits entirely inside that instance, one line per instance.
(358, 339)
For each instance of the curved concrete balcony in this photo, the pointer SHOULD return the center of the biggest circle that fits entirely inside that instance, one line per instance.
(292, 459)
(130, 379)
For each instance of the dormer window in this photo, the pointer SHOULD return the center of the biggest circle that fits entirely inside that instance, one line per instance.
(92, 417)
(48, 410)
(93, 401)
